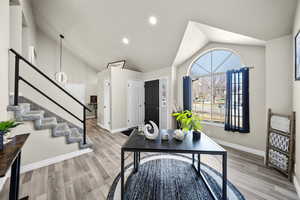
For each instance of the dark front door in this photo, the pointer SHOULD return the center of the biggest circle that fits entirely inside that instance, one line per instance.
(152, 101)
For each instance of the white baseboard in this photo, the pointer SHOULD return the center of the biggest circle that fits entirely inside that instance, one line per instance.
(240, 147)
(54, 160)
(102, 126)
(119, 130)
(114, 130)
(91, 117)
(297, 186)
(3, 179)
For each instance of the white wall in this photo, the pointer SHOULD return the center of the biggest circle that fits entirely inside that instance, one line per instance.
(48, 61)
(119, 81)
(30, 21)
(78, 71)
(41, 145)
(21, 37)
(102, 76)
(251, 56)
(118, 102)
(165, 73)
(296, 99)
(15, 22)
(4, 46)
(279, 75)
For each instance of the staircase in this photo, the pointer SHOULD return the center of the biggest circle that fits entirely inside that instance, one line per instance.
(42, 118)
(23, 112)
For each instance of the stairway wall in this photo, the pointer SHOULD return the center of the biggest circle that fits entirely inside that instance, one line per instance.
(48, 61)
(41, 146)
(77, 70)
(22, 34)
(27, 34)
(4, 45)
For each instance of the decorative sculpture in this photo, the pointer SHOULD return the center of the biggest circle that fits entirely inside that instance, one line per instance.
(179, 135)
(165, 136)
(141, 130)
(155, 132)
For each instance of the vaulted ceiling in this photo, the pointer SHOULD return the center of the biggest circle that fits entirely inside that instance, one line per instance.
(198, 35)
(94, 28)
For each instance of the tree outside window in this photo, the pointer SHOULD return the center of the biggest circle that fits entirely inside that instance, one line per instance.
(209, 83)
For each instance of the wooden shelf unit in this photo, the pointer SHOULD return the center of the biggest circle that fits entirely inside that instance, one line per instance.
(280, 152)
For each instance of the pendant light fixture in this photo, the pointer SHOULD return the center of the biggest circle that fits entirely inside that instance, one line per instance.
(61, 76)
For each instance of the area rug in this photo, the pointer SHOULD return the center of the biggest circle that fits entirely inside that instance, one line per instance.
(170, 177)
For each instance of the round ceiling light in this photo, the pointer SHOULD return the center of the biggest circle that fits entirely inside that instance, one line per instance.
(125, 40)
(152, 20)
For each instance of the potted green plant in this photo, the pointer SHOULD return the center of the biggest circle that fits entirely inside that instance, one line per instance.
(5, 127)
(189, 122)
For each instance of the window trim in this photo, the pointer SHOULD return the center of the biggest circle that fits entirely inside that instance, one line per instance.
(212, 123)
(233, 52)
(188, 73)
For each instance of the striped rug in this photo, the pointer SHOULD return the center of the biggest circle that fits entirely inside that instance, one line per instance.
(170, 177)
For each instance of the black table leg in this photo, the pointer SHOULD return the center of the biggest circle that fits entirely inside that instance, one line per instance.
(136, 162)
(122, 175)
(193, 159)
(224, 184)
(199, 163)
(15, 179)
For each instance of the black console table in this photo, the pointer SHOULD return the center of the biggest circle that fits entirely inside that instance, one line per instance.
(10, 156)
(137, 143)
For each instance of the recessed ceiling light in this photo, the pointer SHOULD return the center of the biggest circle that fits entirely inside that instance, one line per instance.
(125, 40)
(152, 20)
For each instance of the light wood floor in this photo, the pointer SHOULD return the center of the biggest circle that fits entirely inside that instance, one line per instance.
(90, 176)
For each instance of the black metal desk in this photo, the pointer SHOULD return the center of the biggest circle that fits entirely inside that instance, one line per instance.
(137, 144)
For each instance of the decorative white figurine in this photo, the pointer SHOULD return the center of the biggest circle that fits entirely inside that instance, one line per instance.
(140, 129)
(179, 135)
(165, 136)
(154, 134)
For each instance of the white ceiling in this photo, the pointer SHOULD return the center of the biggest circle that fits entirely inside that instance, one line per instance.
(197, 35)
(94, 28)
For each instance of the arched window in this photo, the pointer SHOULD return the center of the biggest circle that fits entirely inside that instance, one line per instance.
(209, 82)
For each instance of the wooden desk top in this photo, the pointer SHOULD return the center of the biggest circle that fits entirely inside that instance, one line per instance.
(10, 152)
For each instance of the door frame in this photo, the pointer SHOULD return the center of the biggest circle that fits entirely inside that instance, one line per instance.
(168, 98)
(107, 125)
(142, 82)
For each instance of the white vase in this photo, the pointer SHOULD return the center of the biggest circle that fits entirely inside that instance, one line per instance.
(179, 135)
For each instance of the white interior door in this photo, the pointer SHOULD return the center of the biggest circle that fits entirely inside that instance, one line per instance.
(106, 105)
(135, 103)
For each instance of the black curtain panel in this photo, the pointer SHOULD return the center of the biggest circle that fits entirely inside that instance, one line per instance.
(187, 93)
(237, 101)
